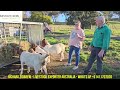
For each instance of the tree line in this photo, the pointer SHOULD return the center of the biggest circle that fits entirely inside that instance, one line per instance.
(86, 17)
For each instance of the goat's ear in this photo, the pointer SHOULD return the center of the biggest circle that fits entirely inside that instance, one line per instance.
(40, 53)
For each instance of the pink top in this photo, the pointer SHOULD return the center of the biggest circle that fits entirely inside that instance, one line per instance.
(74, 40)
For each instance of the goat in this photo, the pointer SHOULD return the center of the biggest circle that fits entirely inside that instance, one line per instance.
(34, 60)
(54, 49)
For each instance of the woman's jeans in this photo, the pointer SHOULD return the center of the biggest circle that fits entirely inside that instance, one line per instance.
(77, 54)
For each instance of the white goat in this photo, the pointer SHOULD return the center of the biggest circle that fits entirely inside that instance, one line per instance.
(40, 50)
(34, 60)
(56, 49)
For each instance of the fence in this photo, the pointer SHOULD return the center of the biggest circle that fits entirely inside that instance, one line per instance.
(31, 32)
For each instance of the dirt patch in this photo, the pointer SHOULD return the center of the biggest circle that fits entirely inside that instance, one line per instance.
(54, 67)
(62, 37)
(113, 63)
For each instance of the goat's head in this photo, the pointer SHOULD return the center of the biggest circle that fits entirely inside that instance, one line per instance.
(46, 60)
(31, 50)
(44, 42)
(18, 50)
(33, 46)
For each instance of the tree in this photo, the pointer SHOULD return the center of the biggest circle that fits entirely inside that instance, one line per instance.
(53, 14)
(86, 17)
(108, 15)
(118, 13)
(25, 18)
(40, 16)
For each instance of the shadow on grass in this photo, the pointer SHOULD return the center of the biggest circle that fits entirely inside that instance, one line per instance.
(116, 38)
(58, 33)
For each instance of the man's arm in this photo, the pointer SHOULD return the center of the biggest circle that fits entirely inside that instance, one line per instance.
(91, 44)
(106, 42)
(106, 39)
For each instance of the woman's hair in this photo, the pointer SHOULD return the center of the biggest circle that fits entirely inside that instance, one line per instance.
(78, 22)
(33, 46)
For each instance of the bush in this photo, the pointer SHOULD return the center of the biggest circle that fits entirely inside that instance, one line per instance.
(39, 17)
(47, 19)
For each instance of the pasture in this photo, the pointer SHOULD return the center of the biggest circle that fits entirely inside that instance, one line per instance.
(111, 62)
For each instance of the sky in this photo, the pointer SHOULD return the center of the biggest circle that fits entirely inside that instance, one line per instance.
(61, 18)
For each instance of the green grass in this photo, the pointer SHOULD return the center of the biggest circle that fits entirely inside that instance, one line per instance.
(114, 22)
(109, 70)
(63, 31)
(51, 40)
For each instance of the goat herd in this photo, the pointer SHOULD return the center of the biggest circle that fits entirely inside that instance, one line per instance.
(38, 57)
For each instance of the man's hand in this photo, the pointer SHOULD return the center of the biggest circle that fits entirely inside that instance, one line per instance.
(90, 48)
(101, 53)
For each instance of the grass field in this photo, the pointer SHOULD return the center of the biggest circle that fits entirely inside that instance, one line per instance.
(111, 63)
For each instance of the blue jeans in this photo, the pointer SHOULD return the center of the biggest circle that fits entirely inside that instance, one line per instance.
(92, 58)
(77, 54)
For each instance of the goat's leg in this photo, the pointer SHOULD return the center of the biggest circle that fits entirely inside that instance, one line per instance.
(41, 69)
(36, 70)
(28, 70)
(47, 59)
(61, 56)
(45, 69)
(21, 68)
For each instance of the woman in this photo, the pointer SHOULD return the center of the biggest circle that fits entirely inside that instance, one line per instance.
(77, 36)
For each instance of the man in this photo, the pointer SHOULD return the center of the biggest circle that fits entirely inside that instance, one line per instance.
(99, 45)
(77, 36)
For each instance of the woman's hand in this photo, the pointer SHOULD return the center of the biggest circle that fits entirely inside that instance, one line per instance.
(79, 36)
